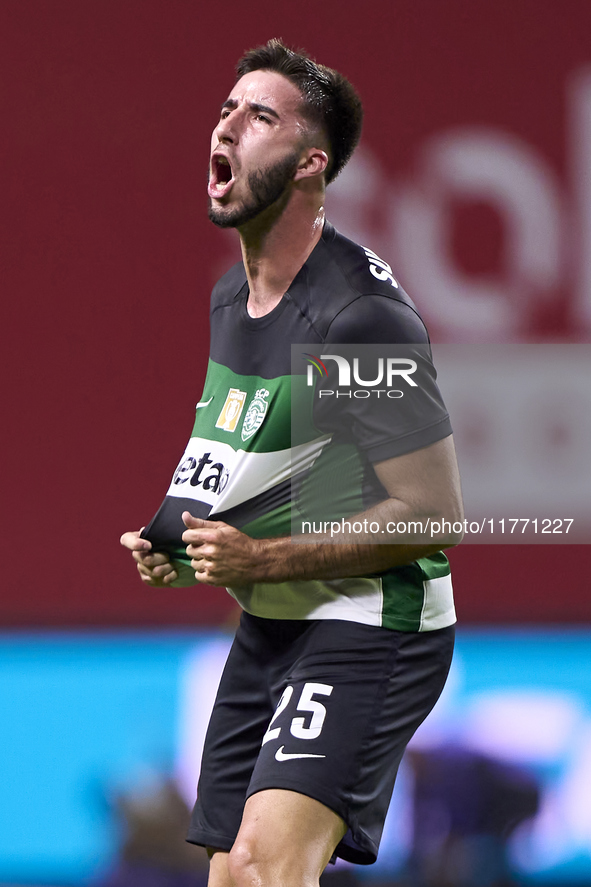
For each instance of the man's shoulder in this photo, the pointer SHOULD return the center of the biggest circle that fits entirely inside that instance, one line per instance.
(362, 270)
(348, 282)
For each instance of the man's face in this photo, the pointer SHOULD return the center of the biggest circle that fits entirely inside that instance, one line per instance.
(255, 148)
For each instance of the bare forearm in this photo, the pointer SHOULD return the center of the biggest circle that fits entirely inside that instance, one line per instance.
(355, 546)
(423, 515)
(222, 555)
(280, 560)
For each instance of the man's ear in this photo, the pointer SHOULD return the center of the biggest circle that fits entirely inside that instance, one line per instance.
(312, 163)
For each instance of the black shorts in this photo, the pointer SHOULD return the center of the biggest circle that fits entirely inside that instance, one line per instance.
(324, 708)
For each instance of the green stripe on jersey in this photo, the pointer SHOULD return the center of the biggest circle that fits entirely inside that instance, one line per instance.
(250, 412)
(405, 590)
(273, 523)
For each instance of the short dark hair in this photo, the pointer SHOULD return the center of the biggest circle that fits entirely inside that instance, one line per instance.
(329, 100)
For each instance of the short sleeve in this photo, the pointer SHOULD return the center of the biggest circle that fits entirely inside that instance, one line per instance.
(379, 389)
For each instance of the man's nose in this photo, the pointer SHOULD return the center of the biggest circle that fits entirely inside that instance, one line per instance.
(227, 128)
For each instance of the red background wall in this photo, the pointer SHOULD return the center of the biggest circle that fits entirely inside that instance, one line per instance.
(107, 258)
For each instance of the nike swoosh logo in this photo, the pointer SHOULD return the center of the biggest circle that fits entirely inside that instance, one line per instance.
(205, 403)
(280, 755)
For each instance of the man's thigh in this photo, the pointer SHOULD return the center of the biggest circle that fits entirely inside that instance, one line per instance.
(285, 838)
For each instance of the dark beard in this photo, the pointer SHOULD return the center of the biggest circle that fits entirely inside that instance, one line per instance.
(266, 187)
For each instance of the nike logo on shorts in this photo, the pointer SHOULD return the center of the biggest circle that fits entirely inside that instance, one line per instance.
(280, 755)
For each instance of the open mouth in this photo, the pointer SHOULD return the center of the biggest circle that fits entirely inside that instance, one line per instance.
(221, 177)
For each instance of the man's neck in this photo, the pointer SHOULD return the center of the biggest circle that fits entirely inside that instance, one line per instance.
(274, 250)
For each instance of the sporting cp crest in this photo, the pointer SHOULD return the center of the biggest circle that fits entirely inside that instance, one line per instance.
(255, 414)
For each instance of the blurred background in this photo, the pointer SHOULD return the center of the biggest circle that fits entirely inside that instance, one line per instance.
(473, 180)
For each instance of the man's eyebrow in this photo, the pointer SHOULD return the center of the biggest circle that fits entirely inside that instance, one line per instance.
(256, 106)
(230, 104)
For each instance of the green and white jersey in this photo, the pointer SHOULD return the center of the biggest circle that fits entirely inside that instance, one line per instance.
(244, 466)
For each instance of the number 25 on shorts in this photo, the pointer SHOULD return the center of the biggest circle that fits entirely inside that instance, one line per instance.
(306, 704)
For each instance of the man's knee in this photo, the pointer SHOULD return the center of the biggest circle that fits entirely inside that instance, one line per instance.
(245, 863)
(253, 860)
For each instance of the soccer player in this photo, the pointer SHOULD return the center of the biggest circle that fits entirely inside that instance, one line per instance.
(342, 649)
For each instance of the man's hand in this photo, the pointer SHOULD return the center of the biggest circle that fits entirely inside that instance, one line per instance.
(154, 569)
(220, 554)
